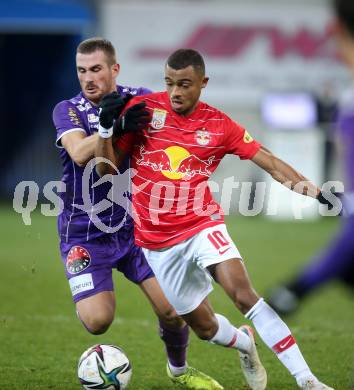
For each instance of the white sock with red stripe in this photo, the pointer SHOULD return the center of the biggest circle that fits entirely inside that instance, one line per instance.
(229, 336)
(277, 336)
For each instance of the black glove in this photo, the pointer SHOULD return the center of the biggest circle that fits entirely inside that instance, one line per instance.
(136, 118)
(330, 199)
(111, 106)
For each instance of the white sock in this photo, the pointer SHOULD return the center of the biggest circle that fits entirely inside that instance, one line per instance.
(229, 336)
(177, 371)
(277, 336)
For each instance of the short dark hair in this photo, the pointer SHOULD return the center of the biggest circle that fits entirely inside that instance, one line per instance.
(182, 58)
(91, 45)
(345, 13)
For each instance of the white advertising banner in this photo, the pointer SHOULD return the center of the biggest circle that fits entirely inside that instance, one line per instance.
(249, 48)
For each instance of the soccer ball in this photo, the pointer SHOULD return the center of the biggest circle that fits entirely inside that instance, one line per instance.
(104, 367)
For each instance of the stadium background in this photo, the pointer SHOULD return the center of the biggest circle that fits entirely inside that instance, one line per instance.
(251, 48)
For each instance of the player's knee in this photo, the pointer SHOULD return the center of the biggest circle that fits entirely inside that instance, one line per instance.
(206, 330)
(171, 318)
(97, 324)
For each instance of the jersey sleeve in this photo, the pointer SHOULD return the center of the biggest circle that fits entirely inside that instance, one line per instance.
(66, 119)
(238, 141)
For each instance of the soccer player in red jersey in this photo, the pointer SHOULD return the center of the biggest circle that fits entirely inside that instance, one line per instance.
(181, 228)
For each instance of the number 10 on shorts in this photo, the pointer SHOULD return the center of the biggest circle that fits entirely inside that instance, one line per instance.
(219, 241)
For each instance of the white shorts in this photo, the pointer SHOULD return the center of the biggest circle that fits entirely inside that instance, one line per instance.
(181, 269)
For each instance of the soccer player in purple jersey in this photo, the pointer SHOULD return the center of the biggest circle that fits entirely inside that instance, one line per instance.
(88, 253)
(337, 260)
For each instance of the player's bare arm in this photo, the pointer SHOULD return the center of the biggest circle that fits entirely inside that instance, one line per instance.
(80, 147)
(284, 173)
(104, 149)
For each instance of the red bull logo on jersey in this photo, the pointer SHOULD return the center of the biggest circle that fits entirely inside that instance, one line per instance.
(158, 160)
(175, 162)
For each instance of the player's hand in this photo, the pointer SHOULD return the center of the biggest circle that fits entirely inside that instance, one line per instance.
(110, 108)
(136, 118)
(330, 199)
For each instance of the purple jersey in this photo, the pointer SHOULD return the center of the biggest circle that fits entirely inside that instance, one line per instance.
(79, 114)
(346, 129)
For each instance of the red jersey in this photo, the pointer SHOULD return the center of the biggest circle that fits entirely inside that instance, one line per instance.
(173, 158)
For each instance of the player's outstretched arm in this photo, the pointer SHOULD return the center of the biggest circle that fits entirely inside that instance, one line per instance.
(290, 178)
(284, 173)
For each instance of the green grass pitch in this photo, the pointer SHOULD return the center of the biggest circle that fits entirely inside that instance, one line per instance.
(41, 338)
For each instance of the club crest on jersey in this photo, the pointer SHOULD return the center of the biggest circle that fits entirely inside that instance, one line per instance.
(77, 260)
(202, 137)
(158, 119)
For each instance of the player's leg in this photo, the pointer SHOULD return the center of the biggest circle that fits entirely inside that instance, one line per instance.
(187, 286)
(217, 329)
(96, 312)
(232, 276)
(89, 273)
(332, 263)
(173, 330)
(347, 275)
